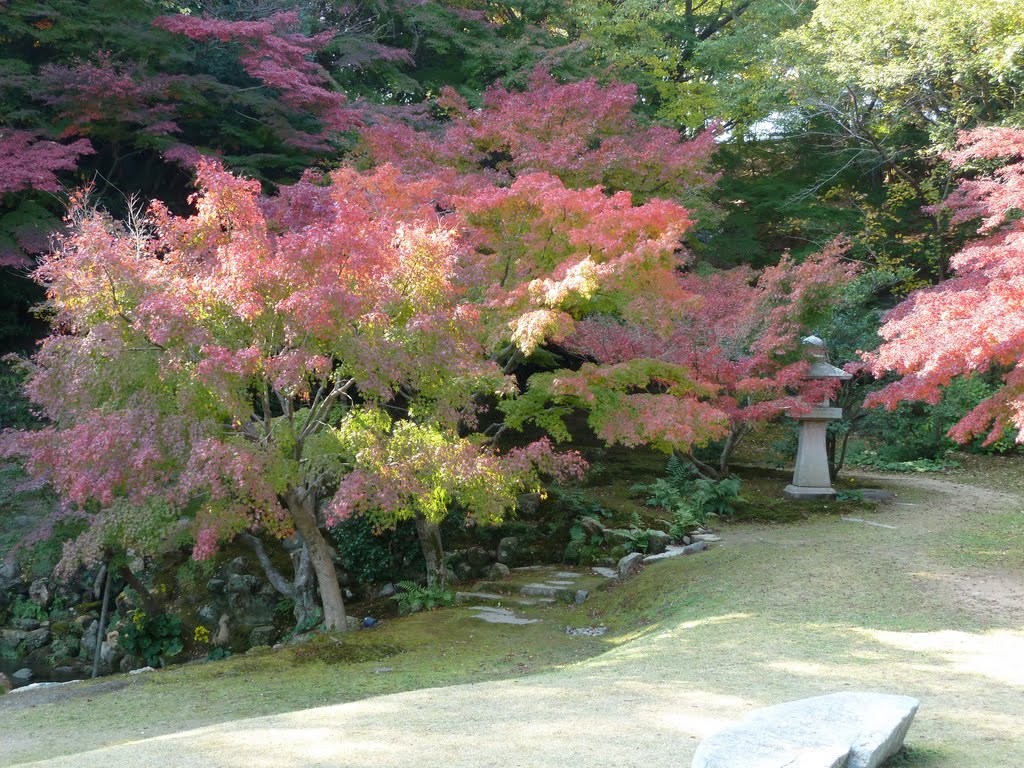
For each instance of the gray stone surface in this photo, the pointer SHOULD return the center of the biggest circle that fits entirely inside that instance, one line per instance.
(658, 542)
(840, 730)
(262, 635)
(630, 565)
(608, 573)
(28, 640)
(39, 592)
(498, 571)
(586, 631)
(697, 546)
(671, 551)
(480, 597)
(23, 674)
(548, 590)
(509, 550)
(494, 615)
(708, 537)
(581, 596)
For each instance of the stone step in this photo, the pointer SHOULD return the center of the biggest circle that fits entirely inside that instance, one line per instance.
(548, 590)
(675, 551)
(494, 615)
(461, 598)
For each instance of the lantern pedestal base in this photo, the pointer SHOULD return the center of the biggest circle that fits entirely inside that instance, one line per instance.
(804, 493)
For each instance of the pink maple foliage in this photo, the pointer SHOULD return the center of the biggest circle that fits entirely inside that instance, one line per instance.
(584, 133)
(102, 89)
(200, 359)
(738, 333)
(972, 322)
(276, 53)
(28, 161)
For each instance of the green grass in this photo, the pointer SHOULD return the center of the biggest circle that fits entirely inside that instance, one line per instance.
(997, 541)
(445, 647)
(773, 613)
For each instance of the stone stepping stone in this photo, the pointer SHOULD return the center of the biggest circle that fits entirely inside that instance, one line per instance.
(840, 730)
(547, 590)
(675, 550)
(608, 573)
(473, 597)
(708, 537)
(558, 582)
(566, 575)
(493, 615)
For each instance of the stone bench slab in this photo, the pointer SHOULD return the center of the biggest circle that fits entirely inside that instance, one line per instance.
(840, 730)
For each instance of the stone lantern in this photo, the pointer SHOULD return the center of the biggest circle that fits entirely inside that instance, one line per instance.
(811, 478)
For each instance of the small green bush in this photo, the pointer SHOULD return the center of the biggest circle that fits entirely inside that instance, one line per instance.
(691, 499)
(154, 638)
(26, 609)
(413, 597)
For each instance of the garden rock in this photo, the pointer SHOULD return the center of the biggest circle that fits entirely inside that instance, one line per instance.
(708, 537)
(493, 615)
(243, 583)
(553, 591)
(23, 675)
(89, 638)
(110, 654)
(29, 641)
(657, 542)
(527, 504)
(26, 624)
(9, 576)
(608, 573)
(263, 635)
(697, 546)
(66, 647)
(630, 565)
(840, 730)
(510, 551)
(592, 526)
(498, 571)
(39, 592)
(208, 614)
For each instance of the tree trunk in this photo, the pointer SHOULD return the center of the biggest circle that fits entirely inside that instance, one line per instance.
(302, 587)
(429, 535)
(305, 586)
(323, 564)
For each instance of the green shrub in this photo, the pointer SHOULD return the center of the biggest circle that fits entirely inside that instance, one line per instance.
(154, 638)
(413, 597)
(26, 609)
(917, 430)
(377, 556)
(691, 499)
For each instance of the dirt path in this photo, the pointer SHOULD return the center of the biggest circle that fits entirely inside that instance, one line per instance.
(771, 614)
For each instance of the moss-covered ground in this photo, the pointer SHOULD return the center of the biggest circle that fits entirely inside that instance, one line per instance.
(931, 606)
